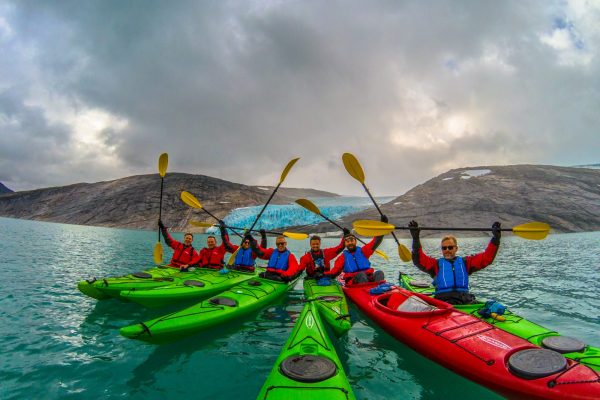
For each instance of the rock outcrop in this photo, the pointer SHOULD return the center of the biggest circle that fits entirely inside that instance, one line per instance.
(4, 189)
(566, 198)
(133, 202)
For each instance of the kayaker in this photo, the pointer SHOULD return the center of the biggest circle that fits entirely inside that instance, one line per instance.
(282, 265)
(450, 273)
(317, 261)
(354, 260)
(245, 257)
(183, 253)
(211, 256)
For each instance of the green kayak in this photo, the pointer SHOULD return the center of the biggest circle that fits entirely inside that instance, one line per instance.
(198, 288)
(519, 326)
(242, 299)
(107, 288)
(331, 304)
(308, 367)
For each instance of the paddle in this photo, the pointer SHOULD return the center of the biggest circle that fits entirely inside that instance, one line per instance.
(193, 202)
(286, 170)
(530, 230)
(163, 161)
(291, 235)
(355, 170)
(312, 207)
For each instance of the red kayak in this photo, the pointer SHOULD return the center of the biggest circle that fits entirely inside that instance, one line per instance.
(465, 344)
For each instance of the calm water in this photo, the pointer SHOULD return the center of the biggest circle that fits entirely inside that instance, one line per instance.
(57, 343)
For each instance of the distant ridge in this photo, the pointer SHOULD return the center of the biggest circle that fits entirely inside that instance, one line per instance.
(567, 198)
(4, 189)
(133, 202)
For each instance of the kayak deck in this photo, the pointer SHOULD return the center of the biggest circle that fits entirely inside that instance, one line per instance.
(331, 304)
(308, 367)
(196, 287)
(473, 348)
(106, 288)
(514, 324)
(239, 300)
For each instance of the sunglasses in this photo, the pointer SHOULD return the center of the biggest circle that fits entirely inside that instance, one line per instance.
(448, 247)
(281, 243)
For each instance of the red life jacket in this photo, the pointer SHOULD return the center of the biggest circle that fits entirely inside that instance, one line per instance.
(182, 255)
(212, 258)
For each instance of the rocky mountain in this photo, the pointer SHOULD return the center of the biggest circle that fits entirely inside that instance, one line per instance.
(133, 202)
(566, 198)
(4, 189)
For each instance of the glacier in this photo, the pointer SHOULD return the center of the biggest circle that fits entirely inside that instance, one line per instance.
(279, 216)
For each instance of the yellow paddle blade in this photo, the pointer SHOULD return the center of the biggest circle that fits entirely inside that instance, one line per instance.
(532, 230)
(353, 167)
(295, 235)
(158, 253)
(309, 205)
(367, 227)
(287, 168)
(382, 255)
(404, 253)
(201, 224)
(163, 161)
(190, 200)
(231, 260)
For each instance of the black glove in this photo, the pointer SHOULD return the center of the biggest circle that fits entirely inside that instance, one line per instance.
(346, 231)
(160, 224)
(384, 218)
(263, 233)
(496, 232)
(222, 227)
(414, 229)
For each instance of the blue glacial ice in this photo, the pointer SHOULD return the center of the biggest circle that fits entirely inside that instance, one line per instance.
(280, 216)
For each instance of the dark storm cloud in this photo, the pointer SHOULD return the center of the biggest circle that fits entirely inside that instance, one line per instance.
(236, 89)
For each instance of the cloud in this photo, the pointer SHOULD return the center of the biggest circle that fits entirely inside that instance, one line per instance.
(236, 89)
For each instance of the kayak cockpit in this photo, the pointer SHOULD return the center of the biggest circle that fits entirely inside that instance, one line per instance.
(411, 304)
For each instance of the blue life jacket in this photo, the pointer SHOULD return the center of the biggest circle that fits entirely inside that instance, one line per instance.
(279, 260)
(451, 277)
(244, 257)
(355, 262)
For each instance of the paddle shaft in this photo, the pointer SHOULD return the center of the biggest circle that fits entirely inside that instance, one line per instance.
(265, 206)
(338, 226)
(212, 215)
(255, 230)
(428, 228)
(378, 209)
(162, 180)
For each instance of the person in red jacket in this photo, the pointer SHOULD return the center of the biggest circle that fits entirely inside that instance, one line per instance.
(244, 258)
(354, 261)
(317, 261)
(183, 253)
(450, 273)
(211, 256)
(282, 265)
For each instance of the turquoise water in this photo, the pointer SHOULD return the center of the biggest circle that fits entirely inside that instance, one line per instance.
(56, 343)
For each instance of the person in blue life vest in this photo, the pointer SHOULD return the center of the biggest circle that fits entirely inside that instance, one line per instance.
(245, 257)
(450, 273)
(282, 264)
(354, 260)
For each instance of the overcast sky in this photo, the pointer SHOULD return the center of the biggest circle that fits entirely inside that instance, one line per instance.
(96, 90)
